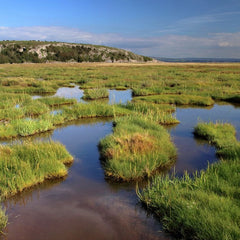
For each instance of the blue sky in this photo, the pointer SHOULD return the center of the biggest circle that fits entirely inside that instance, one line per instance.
(165, 28)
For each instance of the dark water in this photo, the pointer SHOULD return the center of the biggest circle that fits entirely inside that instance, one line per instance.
(193, 153)
(85, 205)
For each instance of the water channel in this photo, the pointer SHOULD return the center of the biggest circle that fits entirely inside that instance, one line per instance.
(85, 205)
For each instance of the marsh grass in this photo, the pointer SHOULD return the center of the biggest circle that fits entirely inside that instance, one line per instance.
(222, 135)
(162, 114)
(3, 220)
(95, 93)
(34, 108)
(18, 126)
(57, 101)
(46, 122)
(220, 81)
(93, 109)
(8, 100)
(24, 127)
(178, 99)
(205, 206)
(136, 149)
(27, 164)
(23, 109)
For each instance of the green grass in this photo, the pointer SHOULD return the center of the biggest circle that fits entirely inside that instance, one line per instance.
(18, 126)
(137, 148)
(57, 101)
(3, 220)
(219, 81)
(46, 122)
(27, 108)
(8, 100)
(27, 164)
(222, 135)
(178, 99)
(205, 206)
(24, 127)
(95, 93)
(162, 114)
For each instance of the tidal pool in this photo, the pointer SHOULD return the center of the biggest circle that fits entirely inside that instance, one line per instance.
(120, 96)
(70, 92)
(85, 205)
(115, 96)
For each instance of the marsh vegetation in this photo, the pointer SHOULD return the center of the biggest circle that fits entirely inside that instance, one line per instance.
(139, 146)
(198, 207)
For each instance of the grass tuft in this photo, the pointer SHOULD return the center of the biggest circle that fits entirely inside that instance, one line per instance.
(205, 206)
(137, 148)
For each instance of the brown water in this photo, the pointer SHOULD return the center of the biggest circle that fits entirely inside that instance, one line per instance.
(85, 205)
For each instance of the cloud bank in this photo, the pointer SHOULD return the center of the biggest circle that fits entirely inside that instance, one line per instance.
(225, 45)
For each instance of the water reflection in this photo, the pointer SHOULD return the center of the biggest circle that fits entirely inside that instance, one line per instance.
(85, 205)
(193, 153)
(69, 92)
(115, 96)
(120, 96)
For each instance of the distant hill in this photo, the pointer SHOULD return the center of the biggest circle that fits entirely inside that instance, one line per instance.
(39, 52)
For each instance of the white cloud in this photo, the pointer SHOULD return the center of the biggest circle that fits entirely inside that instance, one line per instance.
(213, 45)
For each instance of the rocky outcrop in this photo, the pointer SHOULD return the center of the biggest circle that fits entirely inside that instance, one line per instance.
(36, 51)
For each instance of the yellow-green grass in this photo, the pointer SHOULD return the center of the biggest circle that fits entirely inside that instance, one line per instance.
(3, 220)
(222, 135)
(17, 126)
(57, 101)
(220, 81)
(8, 100)
(20, 106)
(137, 148)
(207, 205)
(24, 127)
(93, 109)
(27, 164)
(178, 99)
(46, 122)
(162, 114)
(95, 93)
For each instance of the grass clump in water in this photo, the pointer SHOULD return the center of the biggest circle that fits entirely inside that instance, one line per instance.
(8, 100)
(27, 108)
(57, 101)
(27, 164)
(178, 99)
(162, 114)
(137, 148)
(93, 109)
(222, 135)
(24, 127)
(96, 93)
(205, 206)
(3, 220)
(34, 108)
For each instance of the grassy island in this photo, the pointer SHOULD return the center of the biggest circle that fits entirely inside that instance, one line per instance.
(205, 206)
(137, 148)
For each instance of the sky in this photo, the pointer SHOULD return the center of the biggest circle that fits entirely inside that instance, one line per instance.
(158, 28)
